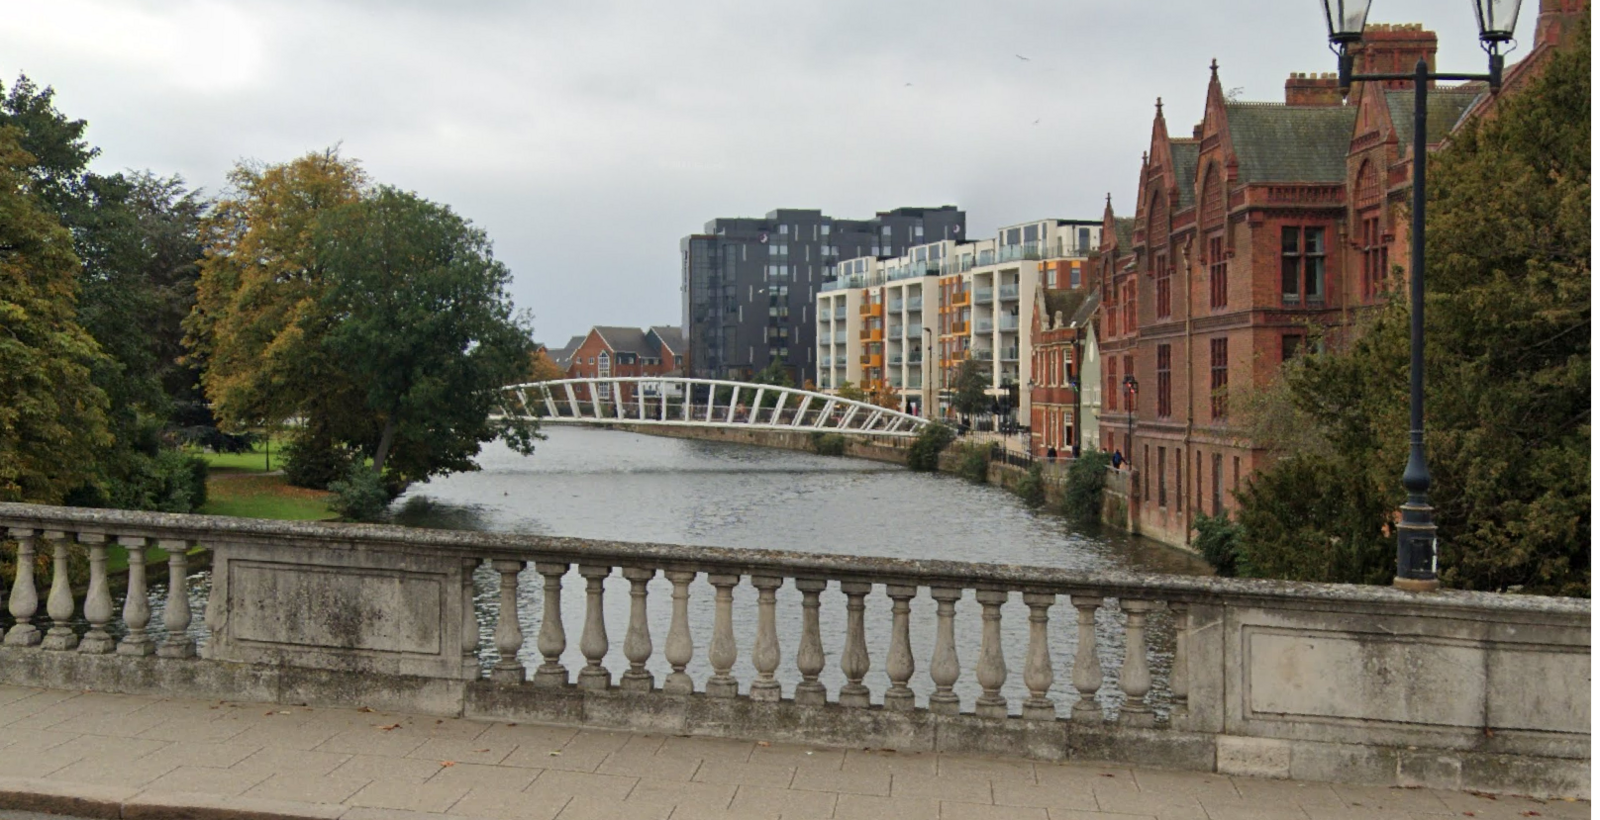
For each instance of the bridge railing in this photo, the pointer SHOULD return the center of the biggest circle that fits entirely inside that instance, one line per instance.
(1282, 679)
(671, 401)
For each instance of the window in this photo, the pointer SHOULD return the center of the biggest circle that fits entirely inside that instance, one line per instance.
(826, 229)
(1303, 267)
(783, 229)
(1133, 397)
(1216, 484)
(1236, 474)
(886, 230)
(1177, 474)
(1292, 342)
(1219, 272)
(1112, 388)
(1163, 287)
(1145, 477)
(1077, 274)
(1083, 246)
(1374, 258)
(1161, 476)
(1219, 378)
(1164, 381)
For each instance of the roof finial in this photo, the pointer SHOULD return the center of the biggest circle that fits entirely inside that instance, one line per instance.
(1213, 68)
(1108, 199)
(1158, 106)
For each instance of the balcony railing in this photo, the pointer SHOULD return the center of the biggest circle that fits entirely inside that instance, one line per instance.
(984, 296)
(841, 336)
(1008, 292)
(983, 325)
(896, 359)
(840, 312)
(1008, 354)
(961, 297)
(959, 328)
(1008, 322)
(896, 305)
(914, 330)
(914, 303)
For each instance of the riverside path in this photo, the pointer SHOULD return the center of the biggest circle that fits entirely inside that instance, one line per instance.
(91, 754)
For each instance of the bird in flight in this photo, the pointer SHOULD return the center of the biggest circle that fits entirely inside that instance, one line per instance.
(1024, 59)
(1035, 122)
(908, 85)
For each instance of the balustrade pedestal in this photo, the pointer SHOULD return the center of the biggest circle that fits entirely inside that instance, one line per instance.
(60, 637)
(636, 646)
(24, 602)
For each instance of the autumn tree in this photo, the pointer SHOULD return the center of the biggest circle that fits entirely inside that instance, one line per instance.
(1507, 375)
(542, 368)
(970, 385)
(52, 421)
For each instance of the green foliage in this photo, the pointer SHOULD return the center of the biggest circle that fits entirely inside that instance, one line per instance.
(776, 373)
(1508, 375)
(1030, 487)
(53, 415)
(923, 454)
(971, 380)
(1217, 540)
(1086, 484)
(972, 462)
(828, 444)
(312, 459)
(361, 495)
(853, 393)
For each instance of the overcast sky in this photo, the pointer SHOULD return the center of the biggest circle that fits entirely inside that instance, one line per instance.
(588, 137)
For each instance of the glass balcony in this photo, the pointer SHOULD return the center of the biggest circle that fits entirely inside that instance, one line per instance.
(839, 336)
(896, 359)
(983, 325)
(914, 330)
(839, 312)
(1008, 292)
(984, 296)
(1008, 322)
(1008, 355)
(896, 305)
(914, 303)
(915, 382)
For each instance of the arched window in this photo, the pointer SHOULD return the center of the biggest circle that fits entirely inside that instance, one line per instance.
(603, 372)
(1159, 234)
(1212, 220)
(1367, 190)
(1212, 199)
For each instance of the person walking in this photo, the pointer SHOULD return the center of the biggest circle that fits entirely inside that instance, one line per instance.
(1117, 459)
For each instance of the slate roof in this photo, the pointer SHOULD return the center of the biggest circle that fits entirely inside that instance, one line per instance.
(1185, 158)
(623, 339)
(1283, 143)
(562, 356)
(1062, 301)
(671, 338)
(1085, 313)
(1445, 110)
(1124, 228)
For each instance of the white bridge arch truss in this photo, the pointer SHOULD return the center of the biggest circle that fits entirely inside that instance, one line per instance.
(686, 402)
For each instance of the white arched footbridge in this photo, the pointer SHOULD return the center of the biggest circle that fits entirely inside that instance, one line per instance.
(686, 402)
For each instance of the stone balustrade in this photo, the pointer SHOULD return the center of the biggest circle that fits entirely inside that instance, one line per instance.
(1452, 689)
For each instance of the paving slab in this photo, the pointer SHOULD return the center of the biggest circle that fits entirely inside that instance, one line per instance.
(98, 755)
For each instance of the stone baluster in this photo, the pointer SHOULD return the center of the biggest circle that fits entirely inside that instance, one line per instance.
(946, 668)
(471, 667)
(1180, 662)
(508, 629)
(24, 603)
(680, 644)
(97, 608)
(60, 637)
(901, 663)
(855, 661)
(1135, 678)
(723, 649)
(136, 608)
(552, 637)
(991, 659)
(765, 654)
(594, 643)
(810, 659)
(1086, 677)
(176, 615)
(636, 646)
(1038, 675)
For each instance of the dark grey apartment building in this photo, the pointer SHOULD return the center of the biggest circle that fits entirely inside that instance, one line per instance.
(750, 284)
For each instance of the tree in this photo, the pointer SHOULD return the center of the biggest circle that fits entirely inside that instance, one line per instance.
(421, 325)
(52, 421)
(775, 373)
(257, 326)
(851, 392)
(1508, 375)
(970, 383)
(542, 368)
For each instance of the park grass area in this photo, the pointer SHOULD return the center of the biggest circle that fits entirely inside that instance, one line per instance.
(264, 496)
(255, 460)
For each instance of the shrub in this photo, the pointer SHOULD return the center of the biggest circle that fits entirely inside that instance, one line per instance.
(314, 461)
(828, 444)
(361, 495)
(1031, 486)
(1217, 540)
(923, 455)
(1086, 484)
(972, 462)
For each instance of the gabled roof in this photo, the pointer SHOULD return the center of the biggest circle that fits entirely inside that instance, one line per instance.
(1185, 158)
(668, 337)
(623, 339)
(1085, 312)
(1281, 143)
(1446, 107)
(562, 356)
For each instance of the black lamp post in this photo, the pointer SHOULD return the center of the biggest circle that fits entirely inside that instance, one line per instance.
(1417, 564)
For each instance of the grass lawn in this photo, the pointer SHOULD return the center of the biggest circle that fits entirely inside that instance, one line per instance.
(264, 496)
(254, 461)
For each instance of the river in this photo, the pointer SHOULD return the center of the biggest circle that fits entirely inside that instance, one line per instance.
(607, 484)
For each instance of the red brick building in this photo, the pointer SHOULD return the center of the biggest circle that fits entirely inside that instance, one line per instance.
(626, 352)
(1263, 225)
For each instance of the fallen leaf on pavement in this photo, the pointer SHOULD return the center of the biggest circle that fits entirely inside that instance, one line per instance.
(447, 763)
(389, 727)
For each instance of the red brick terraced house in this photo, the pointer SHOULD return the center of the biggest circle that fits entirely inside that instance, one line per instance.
(626, 352)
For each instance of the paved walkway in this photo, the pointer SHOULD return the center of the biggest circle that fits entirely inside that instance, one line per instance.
(100, 755)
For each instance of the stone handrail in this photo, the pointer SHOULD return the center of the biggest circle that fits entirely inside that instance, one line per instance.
(1259, 677)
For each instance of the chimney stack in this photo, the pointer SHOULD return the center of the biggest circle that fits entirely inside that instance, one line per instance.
(1312, 89)
(1390, 48)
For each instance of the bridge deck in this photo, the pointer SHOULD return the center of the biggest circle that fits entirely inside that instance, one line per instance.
(119, 755)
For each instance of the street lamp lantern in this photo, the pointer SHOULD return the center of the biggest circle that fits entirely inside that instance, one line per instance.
(1417, 548)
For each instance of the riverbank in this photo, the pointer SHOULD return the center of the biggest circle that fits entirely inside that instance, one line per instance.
(886, 449)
